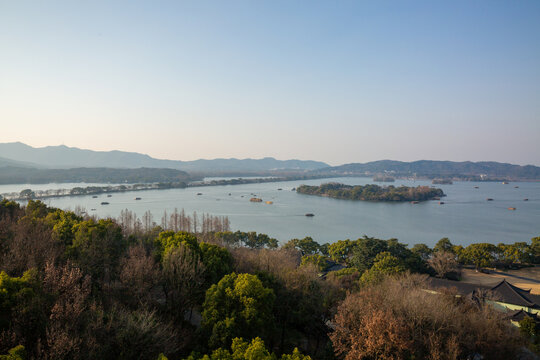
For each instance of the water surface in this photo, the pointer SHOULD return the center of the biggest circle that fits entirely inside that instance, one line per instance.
(465, 217)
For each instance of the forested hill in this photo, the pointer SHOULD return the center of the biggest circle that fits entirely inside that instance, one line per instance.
(70, 157)
(372, 192)
(19, 175)
(431, 169)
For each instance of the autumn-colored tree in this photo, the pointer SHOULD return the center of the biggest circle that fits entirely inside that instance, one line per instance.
(398, 319)
(70, 290)
(140, 278)
(444, 263)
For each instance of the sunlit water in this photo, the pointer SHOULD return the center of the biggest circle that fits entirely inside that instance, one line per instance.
(465, 217)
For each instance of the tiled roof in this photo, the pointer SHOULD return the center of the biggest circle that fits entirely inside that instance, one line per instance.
(503, 291)
(511, 294)
(519, 315)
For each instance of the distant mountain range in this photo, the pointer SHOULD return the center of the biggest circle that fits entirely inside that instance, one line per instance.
(434, 169)
(20, 161)
(20, 154)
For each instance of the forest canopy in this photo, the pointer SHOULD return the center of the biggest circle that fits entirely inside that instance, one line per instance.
(372, 192)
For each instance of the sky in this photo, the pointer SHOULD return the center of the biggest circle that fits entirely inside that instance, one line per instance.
(335, 81)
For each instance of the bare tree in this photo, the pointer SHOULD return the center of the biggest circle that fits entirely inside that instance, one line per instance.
(71, 290)
(444, 263)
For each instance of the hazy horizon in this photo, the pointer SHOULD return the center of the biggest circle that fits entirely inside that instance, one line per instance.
(291, 158)
(335, 82)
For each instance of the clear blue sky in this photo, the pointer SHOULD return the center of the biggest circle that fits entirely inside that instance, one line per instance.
(338, 81)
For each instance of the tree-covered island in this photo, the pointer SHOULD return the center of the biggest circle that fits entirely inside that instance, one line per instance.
(372, 192)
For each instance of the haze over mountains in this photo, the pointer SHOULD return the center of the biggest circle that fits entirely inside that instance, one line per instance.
(21, 163)
(68, 157)
(431, 169)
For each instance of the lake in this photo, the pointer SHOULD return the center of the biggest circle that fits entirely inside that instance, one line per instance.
(465, 217)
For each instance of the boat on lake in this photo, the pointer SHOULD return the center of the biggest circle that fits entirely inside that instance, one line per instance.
(104, 203)
(255, 199)
(525, 199)
(511, 208)
(269, 202)
(199, 193)
(441, 202)
(137, 198)
(476, 187)
(310, 215)
(94, 197)
(415, 202)
(489, 199)
(505, 182)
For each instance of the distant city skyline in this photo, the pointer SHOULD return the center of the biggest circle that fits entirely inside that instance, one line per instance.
(338, 82)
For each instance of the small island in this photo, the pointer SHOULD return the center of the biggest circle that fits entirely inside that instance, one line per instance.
(372, 192)
(442, 181)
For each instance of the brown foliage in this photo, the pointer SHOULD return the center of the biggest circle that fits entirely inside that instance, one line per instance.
(32, 246)
(443, 262)
(70, 288)
(276, 262)
(398, 319)
(140, 277)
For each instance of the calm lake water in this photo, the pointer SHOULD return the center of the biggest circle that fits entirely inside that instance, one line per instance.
(465, 217)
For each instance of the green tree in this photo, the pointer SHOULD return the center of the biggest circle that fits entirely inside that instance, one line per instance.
(254, 350)
(318, 260)
(27, 194)
(63, 223)
(384, 264)
(217, 261)
(17, 353)
(365, 251)
(307, 245)
(535, 249)
(21, 307)
(423, 251)
(481, 254)
(238, 305)
(509, 254)
(168, 240)
(341, 250)
(97, 247)
(16, 293)
(443, 245)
